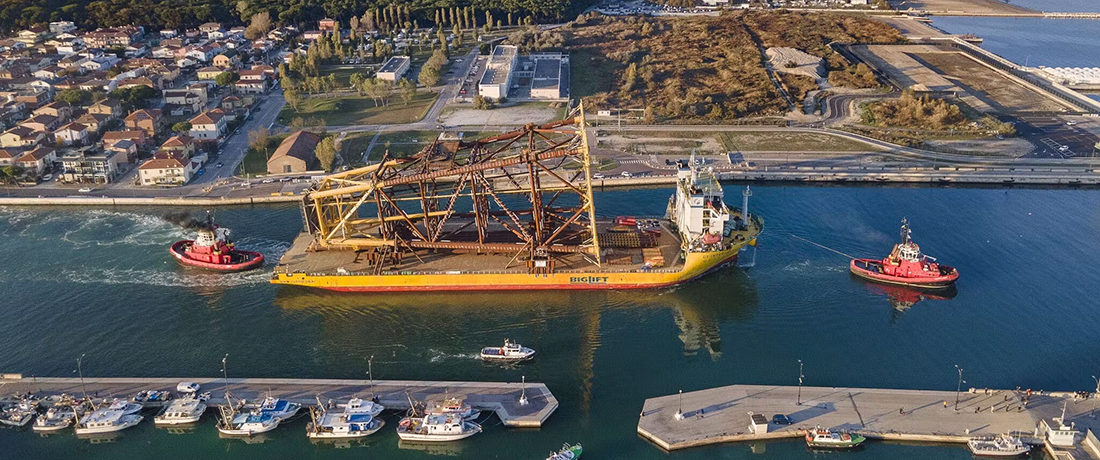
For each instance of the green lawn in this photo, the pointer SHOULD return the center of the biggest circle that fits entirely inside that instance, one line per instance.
(360, 110)
(255, 162)
(343, 76)
(778, 141)
(408, 136)
(586, 76)
(354, 145)
(396, 150)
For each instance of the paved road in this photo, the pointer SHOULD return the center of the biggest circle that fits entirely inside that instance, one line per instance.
(235, 147)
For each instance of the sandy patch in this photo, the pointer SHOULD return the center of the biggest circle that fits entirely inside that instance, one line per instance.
(515, 115)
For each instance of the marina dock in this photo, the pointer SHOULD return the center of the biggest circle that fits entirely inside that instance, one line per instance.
(502, 398)
(720, 415)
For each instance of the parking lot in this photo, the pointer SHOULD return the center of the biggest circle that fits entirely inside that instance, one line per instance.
(1057, 137)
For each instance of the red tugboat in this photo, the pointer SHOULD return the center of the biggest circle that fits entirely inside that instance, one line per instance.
(213, 250)
(906, 266)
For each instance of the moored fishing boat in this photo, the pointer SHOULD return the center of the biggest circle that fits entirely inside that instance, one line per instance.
(278, 408)
(454, 406)
(1004, 445)
(56, 418)
(511, 351)
(106, 420)
(19, 414)
(567, 452)
(248, 424)
(180, 412)
(358, 419)
(823, 438)
(906, 266)
(126, 408)
(152, 398)
(436, 428)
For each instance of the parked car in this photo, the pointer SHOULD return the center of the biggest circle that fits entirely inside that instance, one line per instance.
(598, 176)
(780, 419)
(85, 190)
(47, 178)
(627, 174)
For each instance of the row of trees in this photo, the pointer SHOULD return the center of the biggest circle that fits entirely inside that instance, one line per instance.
(432, 71)
(384, 15)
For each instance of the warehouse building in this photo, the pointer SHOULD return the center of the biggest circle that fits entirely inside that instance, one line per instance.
(394, 68)
(498, 72)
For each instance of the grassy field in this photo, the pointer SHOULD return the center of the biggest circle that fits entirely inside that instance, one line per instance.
(255, 162)
(343, 76)
(353, 146)
(790, 142)
(356, 110)
(408, 136)
(588, 74)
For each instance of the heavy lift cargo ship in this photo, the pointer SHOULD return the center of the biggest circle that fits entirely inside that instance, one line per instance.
(508, 212)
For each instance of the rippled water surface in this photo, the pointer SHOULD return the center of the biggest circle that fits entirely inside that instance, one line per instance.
(100, 281)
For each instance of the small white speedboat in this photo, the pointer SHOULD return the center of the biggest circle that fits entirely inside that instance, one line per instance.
(511, 351)
(249, 423)
(57, 418)
(19, 414)
(999, 446)
(436, 428)
(125, 407)
(455, 406)
(357, 420)
(181, 411)
(106, 421)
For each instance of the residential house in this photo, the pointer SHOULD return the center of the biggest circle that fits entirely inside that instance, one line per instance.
(37, 160)
(326, 25)
(51, 72)
(139, 81)
(312, 35)
(183, 145)
(168, 33)
(21, 136)
(112, 37)
(267, 70)
(227, 60)
(166, 169)
(71, 134)
(96, 122)
(62, 27)
(252, 86)
(136, 135)
(32, 35)
(14, 70)
(42, 122)
(100, 63)
(110, 107)
(149, 120)
(210, 27)
(33, 99)
(208, 73)
(230, 103)
(12, 45)
(127, 148)
(60, 109)
(295, 154)
(183, 101)
(90, 166)
(202, 53)
(208, 126)
(8, 156)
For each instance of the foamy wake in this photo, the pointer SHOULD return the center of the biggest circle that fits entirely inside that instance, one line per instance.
(171, 278)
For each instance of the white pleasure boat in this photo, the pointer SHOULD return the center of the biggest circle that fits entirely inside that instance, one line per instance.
(106, 420)
(455, 406)
(436, 428)
(1000, 446)
(357, 420)
(511, 351)
(125, 407)
(181, 411)
(57, 418)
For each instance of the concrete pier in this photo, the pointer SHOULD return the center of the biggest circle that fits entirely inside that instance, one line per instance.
(720, 415)
(502, 398)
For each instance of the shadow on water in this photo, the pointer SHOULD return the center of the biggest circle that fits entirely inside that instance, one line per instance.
(902, 298)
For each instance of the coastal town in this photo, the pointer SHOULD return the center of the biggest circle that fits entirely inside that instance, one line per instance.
(369, 206)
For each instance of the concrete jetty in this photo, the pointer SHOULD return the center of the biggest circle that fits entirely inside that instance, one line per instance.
(502, 398)
(720, 415)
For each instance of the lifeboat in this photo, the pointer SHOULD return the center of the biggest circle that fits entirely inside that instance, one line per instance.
(212, 250)
(906, 266)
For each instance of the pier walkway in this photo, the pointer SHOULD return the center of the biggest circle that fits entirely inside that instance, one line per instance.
(720, 415)
(502, 398)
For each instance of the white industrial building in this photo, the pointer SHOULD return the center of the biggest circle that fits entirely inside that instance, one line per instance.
(498, 72)
(1087, 77)
(394, 68)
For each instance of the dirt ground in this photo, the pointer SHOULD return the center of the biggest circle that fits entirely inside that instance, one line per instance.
(658, 145)
(1011, 147)
(961, 6)
(524, 113)
(1003, 94)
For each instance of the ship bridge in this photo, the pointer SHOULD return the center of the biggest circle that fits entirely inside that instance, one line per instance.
(525, 193)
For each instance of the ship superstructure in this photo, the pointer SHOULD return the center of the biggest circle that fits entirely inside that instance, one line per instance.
(513, 211)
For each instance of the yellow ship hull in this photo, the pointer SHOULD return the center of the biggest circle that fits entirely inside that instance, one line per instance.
(696, 264)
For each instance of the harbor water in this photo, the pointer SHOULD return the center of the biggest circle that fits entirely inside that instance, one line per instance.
(100, 282)
(1033, 41)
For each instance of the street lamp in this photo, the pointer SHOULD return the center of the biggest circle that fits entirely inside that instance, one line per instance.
(1097, 384)
(959, 387)
(680, 410)
(80, 371)
(225, 375)
(523, 390)
(370, 375)
(800, 376)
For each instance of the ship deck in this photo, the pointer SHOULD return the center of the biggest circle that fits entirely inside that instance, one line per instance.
(301, 258)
